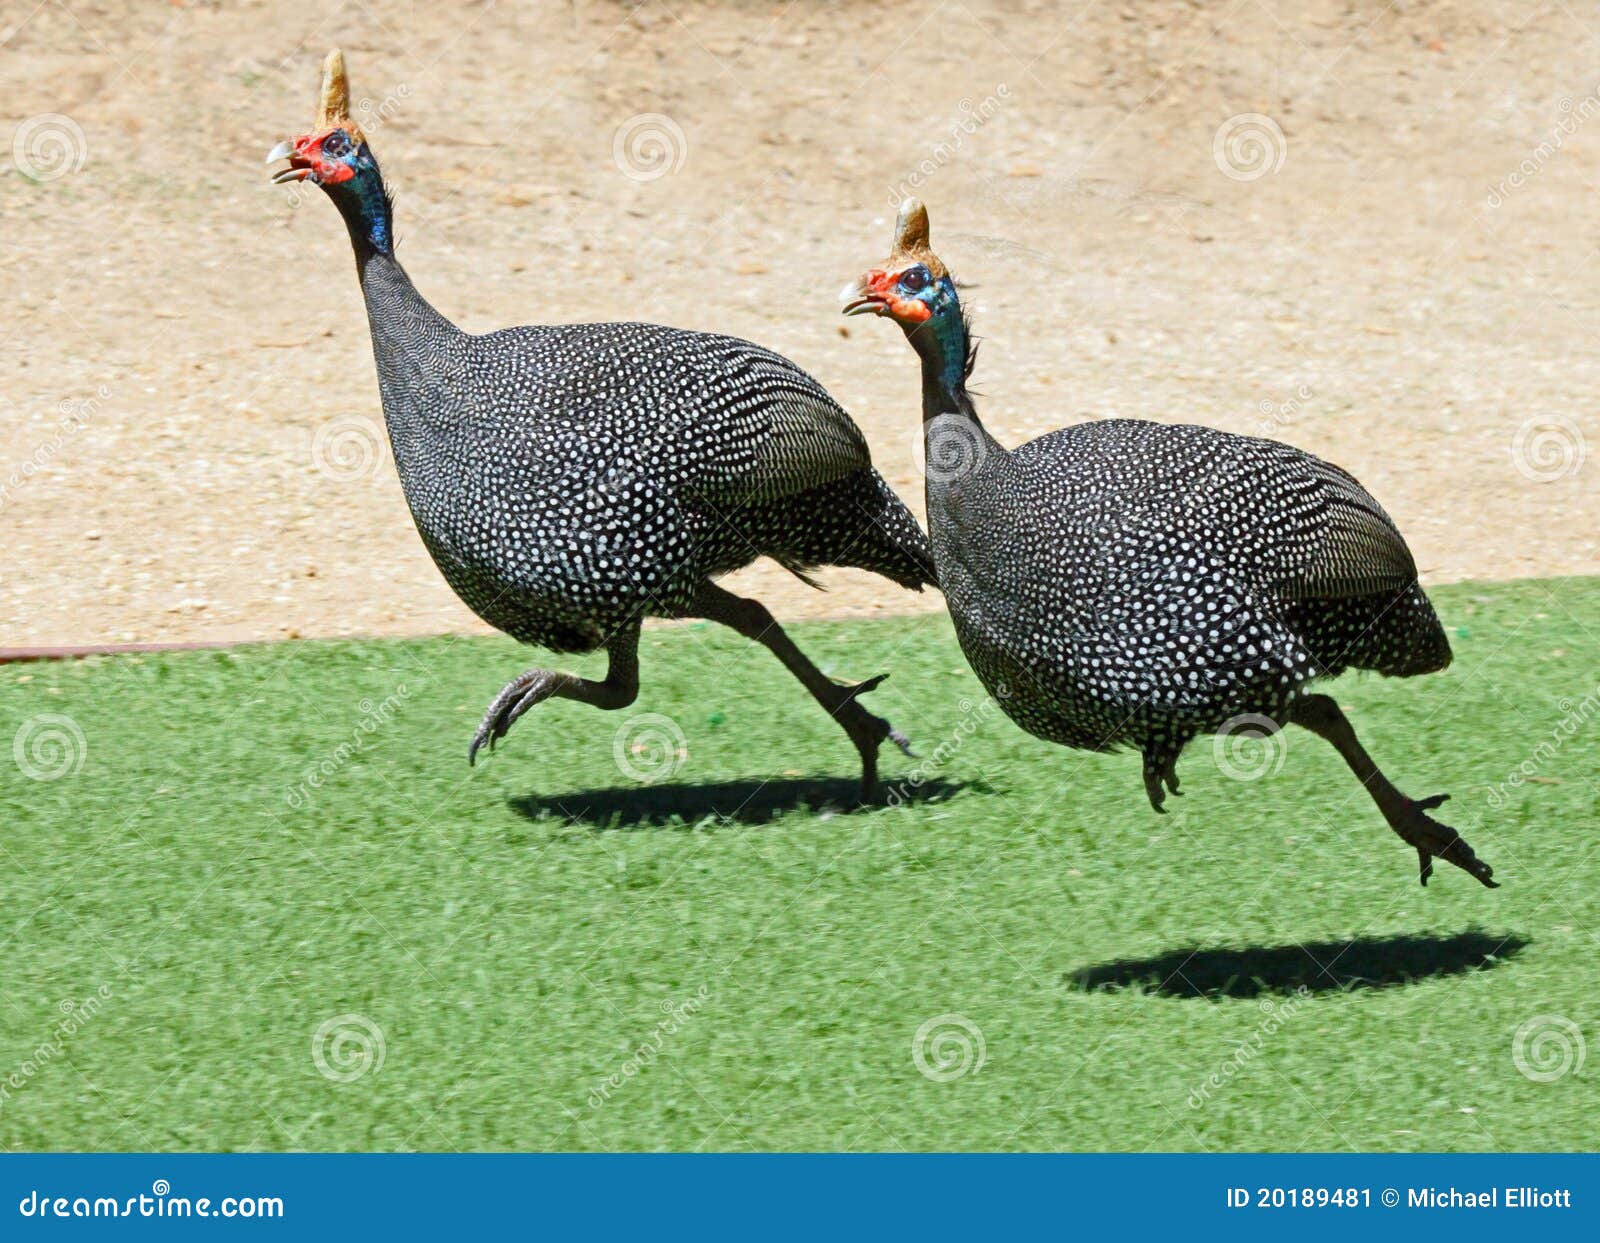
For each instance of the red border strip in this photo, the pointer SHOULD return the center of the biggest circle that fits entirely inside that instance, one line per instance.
(20, 655)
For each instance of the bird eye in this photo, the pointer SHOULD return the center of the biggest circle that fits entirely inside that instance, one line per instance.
(914, 280)
(336, 144)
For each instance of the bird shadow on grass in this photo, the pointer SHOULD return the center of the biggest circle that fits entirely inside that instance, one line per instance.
(1317, 966)
(738, 802)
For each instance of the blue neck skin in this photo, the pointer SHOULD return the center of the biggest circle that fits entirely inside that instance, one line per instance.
(941, 343)
(365, 208)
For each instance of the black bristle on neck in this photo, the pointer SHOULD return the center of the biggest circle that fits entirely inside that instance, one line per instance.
(970, 362)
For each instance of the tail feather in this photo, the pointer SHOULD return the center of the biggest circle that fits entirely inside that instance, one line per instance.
(1396, 634)
(902, 552)
(856, 521)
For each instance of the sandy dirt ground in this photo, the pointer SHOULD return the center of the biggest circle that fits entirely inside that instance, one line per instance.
(1368, 229)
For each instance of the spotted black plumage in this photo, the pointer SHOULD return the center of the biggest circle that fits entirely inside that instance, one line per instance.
(571, 480)
(1134, 584)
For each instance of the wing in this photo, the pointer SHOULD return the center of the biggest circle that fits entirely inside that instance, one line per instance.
(1281, 519)
(717, 417)
(776, 430)
(1354, 546)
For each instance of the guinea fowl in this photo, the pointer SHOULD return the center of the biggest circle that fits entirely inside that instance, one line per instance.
(1133, 584)
(570, 481)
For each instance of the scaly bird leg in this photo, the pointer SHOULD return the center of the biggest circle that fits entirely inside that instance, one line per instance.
(751, 619)
(1160, 769)
(1323, 717)
(619, 689)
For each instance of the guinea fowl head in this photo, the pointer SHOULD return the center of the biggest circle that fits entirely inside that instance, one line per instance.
(913, 288)
(334, 155)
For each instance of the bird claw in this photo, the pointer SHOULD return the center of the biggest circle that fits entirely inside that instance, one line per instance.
(488, 731)
(861, 688)
(505, 709)
(1435, 840)
(1159, 780)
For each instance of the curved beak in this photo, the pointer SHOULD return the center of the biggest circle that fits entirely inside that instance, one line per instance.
(299, 168)
(863, 297)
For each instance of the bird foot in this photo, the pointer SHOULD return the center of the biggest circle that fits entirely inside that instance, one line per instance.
(868, 732)
(504, 709)
(1155, 777)
(1432, 839)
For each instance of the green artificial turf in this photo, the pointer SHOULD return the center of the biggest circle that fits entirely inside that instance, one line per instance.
(553, 954)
